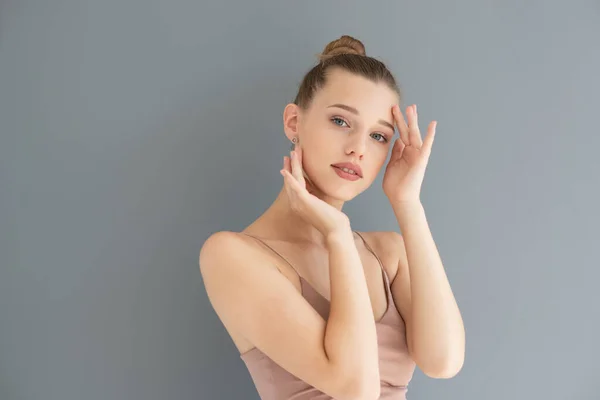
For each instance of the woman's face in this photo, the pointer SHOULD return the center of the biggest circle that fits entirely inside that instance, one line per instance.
(349, 120)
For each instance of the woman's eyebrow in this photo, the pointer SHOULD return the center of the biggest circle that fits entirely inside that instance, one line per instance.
(355, 111)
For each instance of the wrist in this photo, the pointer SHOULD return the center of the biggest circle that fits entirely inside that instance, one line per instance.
(405, 211)
(401, 205)
(340, 235)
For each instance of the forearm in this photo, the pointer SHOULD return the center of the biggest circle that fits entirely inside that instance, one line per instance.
(437, 330)
(350, 337)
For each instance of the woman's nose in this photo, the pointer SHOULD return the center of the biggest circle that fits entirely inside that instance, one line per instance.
(357, 144)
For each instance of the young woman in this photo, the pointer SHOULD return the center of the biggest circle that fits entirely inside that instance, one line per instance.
(317, 310)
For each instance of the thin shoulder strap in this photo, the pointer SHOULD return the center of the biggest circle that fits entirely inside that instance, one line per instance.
(273, 250)
(294, 268)
(376, 256)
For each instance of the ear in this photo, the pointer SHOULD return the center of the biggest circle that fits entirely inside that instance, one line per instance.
(291, 120)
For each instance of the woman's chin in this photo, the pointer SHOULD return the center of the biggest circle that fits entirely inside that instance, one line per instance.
(341, 193)
(336, 190)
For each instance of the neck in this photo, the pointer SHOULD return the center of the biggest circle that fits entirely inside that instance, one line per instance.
(287, 225)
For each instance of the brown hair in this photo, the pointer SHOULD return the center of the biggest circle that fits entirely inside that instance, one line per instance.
(349, 54)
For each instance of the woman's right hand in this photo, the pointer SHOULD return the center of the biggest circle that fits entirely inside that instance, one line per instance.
(323, 216)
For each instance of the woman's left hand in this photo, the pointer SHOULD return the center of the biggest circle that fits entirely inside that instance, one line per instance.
(405, 171)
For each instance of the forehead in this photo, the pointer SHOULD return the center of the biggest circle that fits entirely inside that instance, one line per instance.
(356, 91)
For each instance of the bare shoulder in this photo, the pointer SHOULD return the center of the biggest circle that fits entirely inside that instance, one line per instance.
(248, 293)
(389, 247)
(221, 241)
(225, 257)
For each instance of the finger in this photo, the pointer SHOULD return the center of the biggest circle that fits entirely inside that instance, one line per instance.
(428, 142)
(287, 164)
(288, 186)
(414, 133)
(293, 168)
(282, 172)
(305, 179)
(397, 149)
(288, 169)
(296, 165)
(401, 124)
(292, 186)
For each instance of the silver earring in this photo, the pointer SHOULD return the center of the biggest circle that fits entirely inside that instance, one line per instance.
(294, 142)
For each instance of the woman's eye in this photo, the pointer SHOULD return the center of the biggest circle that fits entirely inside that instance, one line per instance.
(340, 122)
(382, 138)
(335, 119)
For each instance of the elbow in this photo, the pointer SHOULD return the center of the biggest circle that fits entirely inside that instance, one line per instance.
(444, 370)
(442, 364)
(357, 383)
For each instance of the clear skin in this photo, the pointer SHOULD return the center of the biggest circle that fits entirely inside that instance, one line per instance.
(329, 135)
(422, 292)
(248, 295)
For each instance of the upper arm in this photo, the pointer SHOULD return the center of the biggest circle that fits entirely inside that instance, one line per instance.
(251, 296)
(401, 283)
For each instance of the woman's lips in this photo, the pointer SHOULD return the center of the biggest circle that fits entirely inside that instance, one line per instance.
(345, 175)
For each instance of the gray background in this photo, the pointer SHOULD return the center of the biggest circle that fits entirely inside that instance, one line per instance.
(131, 130)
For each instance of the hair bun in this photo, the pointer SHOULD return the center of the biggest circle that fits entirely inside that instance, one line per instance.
(344, 45)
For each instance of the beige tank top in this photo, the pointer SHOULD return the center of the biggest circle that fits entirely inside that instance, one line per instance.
(396, 368)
